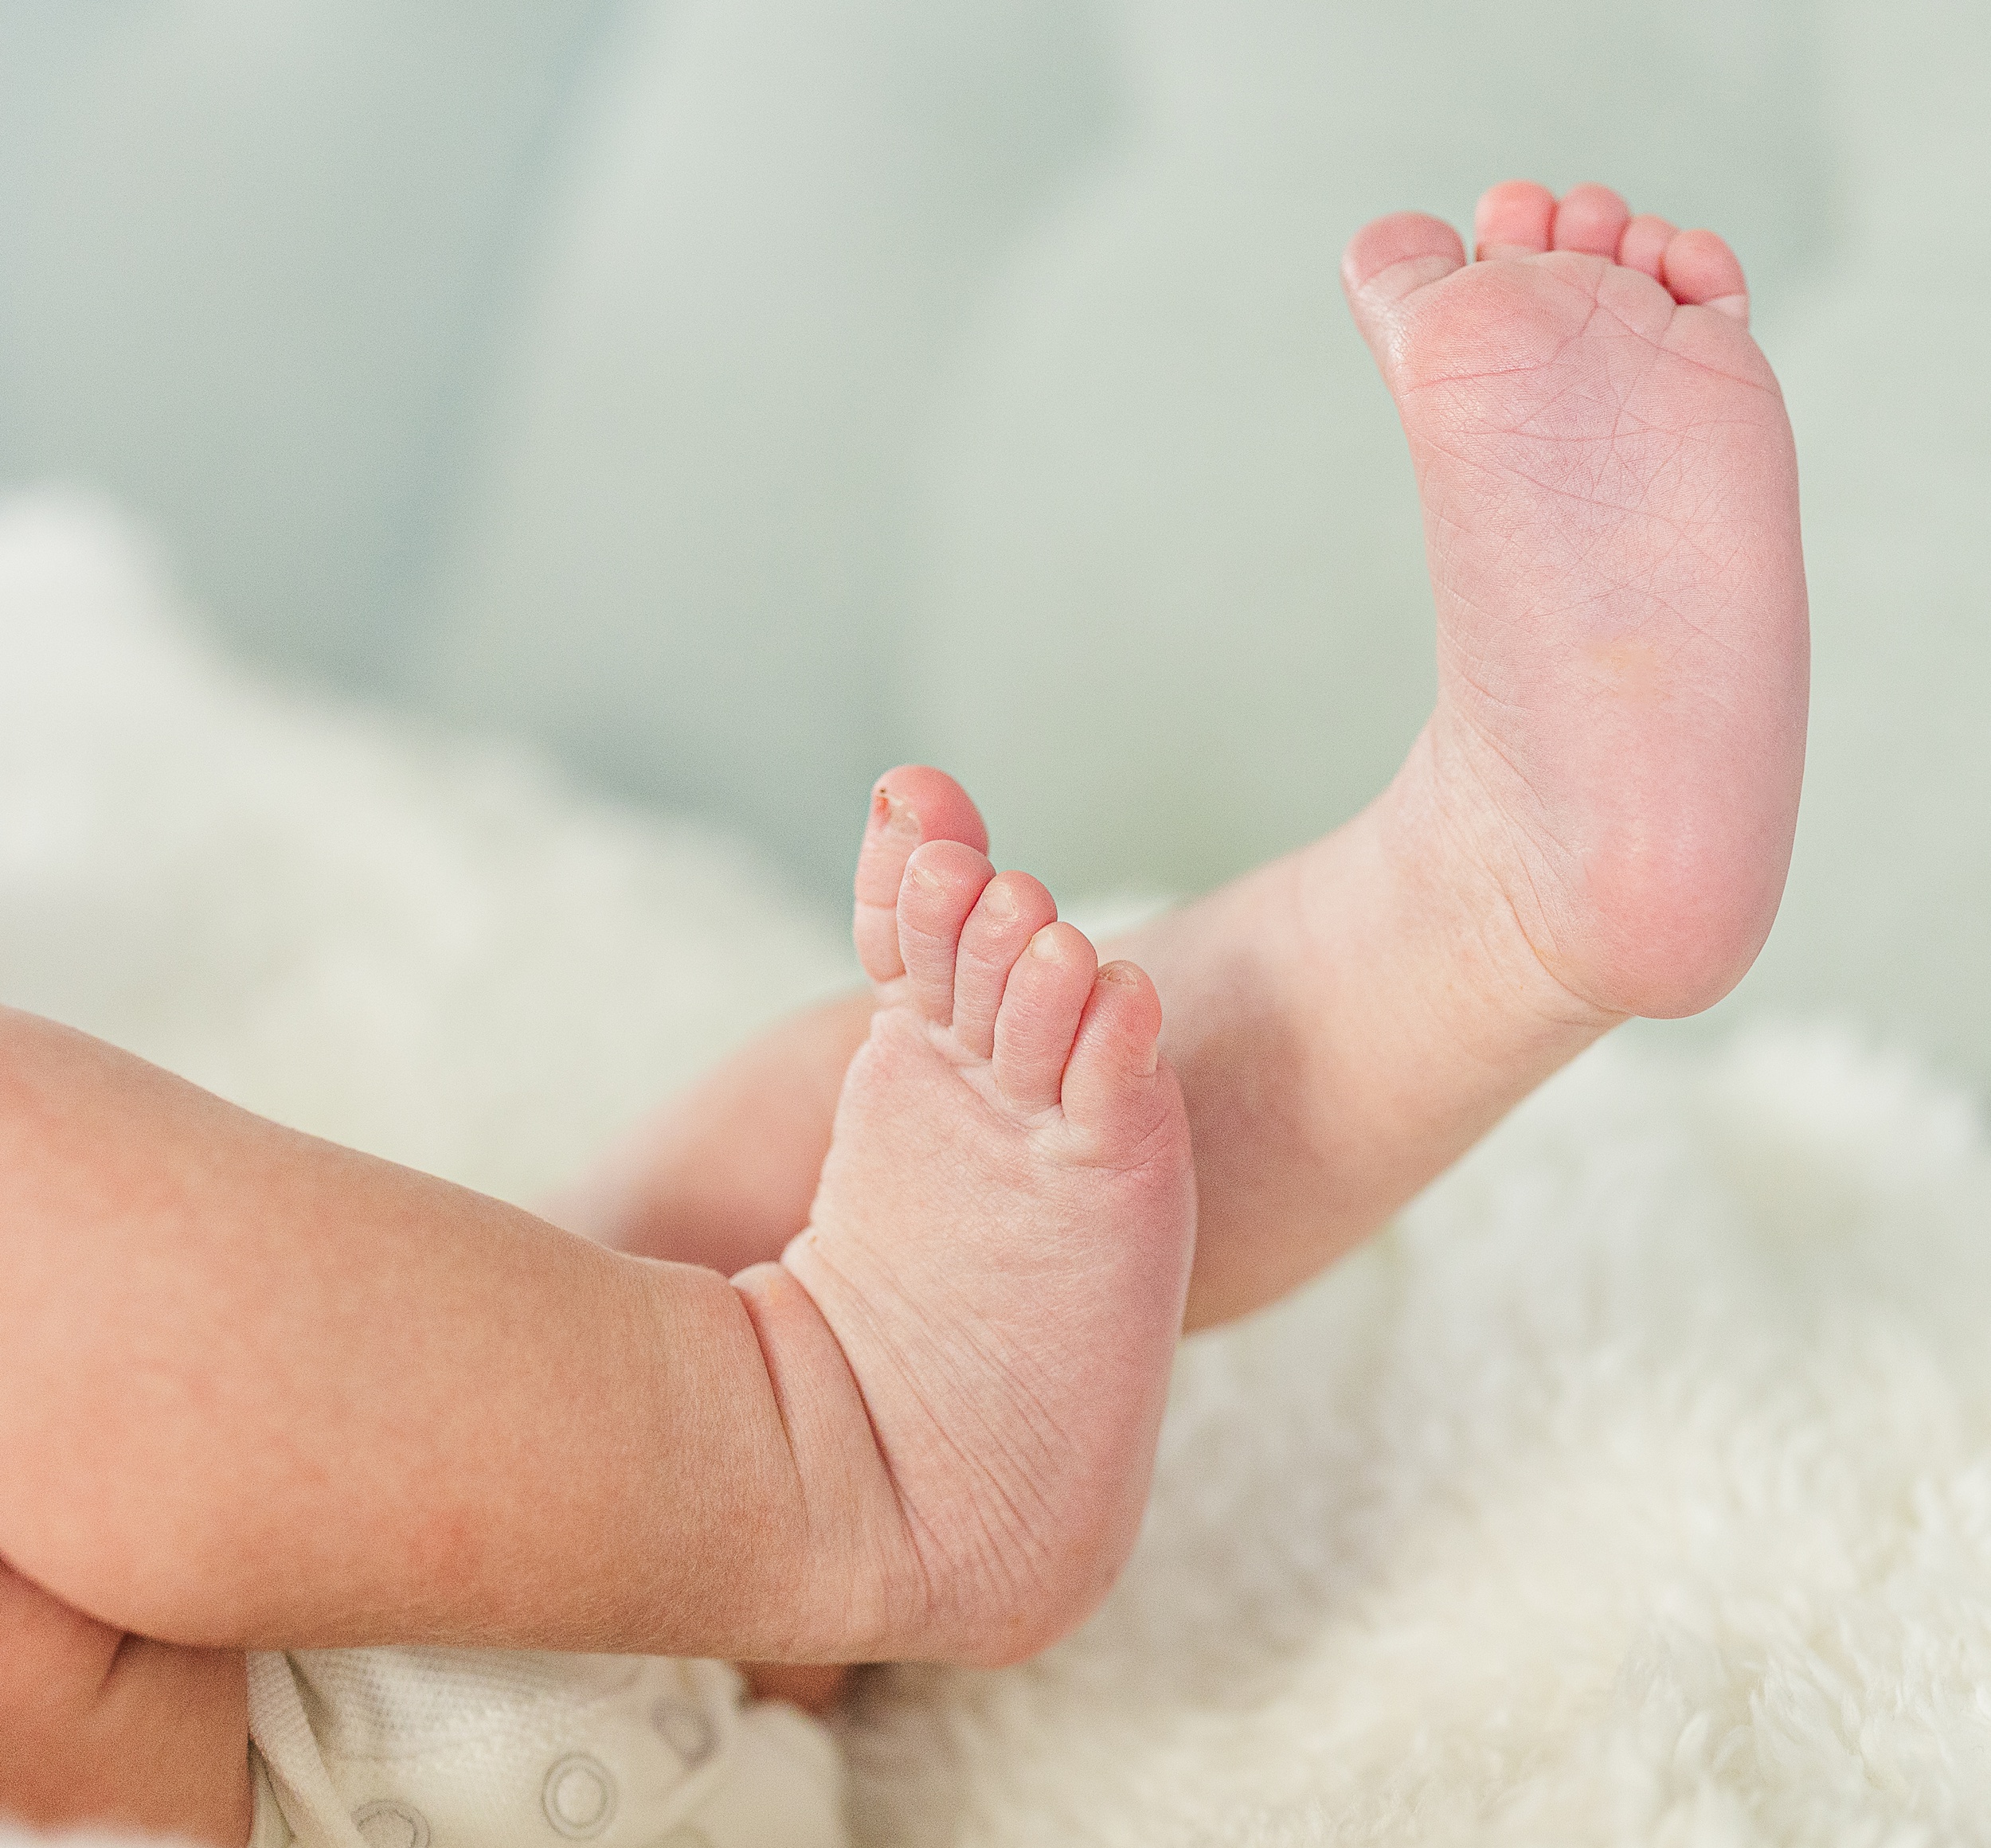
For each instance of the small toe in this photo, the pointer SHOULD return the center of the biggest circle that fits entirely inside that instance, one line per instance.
(909, 805)
(1118, 1046)
(1012, 909)
(1042, 1003)
(1643, 245)
(1702, 271)
(1591, 219)
(1512, 219)
(943, 880)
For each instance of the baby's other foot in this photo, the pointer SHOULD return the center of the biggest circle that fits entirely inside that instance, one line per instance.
(1610, 502)
(1001, 1246)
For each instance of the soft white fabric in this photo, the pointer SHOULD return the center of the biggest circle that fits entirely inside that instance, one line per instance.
(434, 953)
(1636, 1489)
(477, 1748)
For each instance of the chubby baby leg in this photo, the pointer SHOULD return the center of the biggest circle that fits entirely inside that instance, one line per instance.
(995, 1262)
(267, 1393)
(1594, 824)
(97, 1725)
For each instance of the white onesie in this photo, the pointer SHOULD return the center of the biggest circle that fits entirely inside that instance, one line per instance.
(477, 1748)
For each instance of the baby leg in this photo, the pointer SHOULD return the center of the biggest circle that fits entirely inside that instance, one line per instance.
(1596, 822)
(97, 1726)
(263, 1391)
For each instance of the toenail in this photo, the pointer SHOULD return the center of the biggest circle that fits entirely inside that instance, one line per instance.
(1123, 973)
(1735, 307)
(925, 878)
(1045, 943)
(999, 902)
(893, 816)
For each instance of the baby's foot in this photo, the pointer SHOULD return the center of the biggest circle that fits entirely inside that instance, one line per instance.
(1001, 1244)
(1611, 515)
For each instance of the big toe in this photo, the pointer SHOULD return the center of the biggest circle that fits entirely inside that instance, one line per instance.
(1391, 259)
(910, 806)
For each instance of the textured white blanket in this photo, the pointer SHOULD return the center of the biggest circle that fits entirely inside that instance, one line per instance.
(1636, 1488)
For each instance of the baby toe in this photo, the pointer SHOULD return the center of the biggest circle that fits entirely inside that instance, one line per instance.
(1012, 909)
(1590, 219)
(1702, 271)
(1389, 260)
(910, 805)
(1406, 248)
(943, 880)
(1117, 1048)
(1643, 246)
(1512, 219)
(1042, 1001)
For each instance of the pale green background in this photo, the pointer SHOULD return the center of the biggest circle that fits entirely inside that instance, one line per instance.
(739, 395)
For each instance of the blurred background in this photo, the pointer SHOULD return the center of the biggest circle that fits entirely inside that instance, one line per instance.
(739, 395)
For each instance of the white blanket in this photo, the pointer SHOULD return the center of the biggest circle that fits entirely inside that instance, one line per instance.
(1635, 1488)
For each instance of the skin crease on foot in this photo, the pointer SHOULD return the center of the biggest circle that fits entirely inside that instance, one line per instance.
(1595, 823)
(1001, 1243)
(936, 1414)
(1609, 503)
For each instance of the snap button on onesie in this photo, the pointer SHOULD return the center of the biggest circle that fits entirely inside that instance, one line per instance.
(471, 1748)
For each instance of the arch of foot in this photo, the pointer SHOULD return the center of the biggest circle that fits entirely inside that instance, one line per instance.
(437, 1748)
